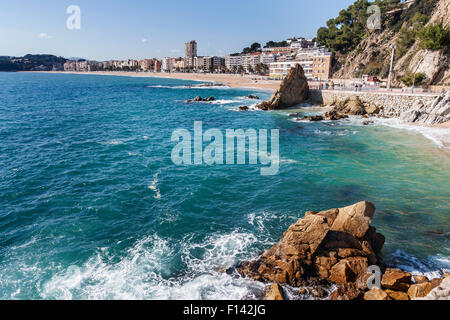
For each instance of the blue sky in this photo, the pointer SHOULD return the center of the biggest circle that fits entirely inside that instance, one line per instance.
(156, 28)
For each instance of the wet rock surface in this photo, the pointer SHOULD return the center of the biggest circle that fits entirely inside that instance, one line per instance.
(335, 248)
(200, 99)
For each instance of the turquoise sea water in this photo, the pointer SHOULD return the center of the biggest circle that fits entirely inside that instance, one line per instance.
(91, 205)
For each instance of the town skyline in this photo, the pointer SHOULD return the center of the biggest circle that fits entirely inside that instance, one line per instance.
(156, 30)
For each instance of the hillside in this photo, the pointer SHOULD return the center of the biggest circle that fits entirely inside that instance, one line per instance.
(419, 29)
(30, 62)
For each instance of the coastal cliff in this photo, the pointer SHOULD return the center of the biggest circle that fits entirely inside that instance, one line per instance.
(337, 247)
(358, 50)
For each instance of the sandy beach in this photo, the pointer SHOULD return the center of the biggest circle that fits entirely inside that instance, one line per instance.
(231, 80)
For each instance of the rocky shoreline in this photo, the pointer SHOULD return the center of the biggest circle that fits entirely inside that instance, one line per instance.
(424, 110)
(338, 248)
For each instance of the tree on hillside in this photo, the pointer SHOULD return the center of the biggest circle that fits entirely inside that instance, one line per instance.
(434, 37)
(273, 44)
(253, 48)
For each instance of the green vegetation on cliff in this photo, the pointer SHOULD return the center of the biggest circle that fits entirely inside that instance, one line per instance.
(361, 50)
(345, 32)
(434, 37)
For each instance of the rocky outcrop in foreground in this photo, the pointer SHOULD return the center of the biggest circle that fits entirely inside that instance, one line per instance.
(294, 90)
(336, 246)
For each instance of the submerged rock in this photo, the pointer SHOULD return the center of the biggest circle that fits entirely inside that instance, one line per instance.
(200, 99)
(252, 97)
(243, 108)
(210, 84)
(294, 90)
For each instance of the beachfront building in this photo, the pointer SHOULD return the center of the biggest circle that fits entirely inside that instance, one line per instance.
(190, 54)
(321, 67)
(280, 69)
(278, 50)
(179, 64)
(209, 64)
(316, 63)
(251, 60)
(70, 66)
(199, 64)
(268, 58)
(157, 66)
(150, 65)
(146, 64)
(167, 64)
(232, 62)
(191, 49)
(218, 63)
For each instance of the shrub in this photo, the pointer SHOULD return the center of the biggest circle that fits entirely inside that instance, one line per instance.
(408, 79)
(434, 37)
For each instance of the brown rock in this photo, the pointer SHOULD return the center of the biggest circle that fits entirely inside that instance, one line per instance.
(309, 249)
(302, 291)
(350, 106)
(293, 90)
(397, 295)
(375, 239)
(333, 115)
(420, 279)
(286, 261)
(274, 292)
(419, 290)
(331, 215)
(436, 282)
(372, 109)
(359, 266)
(342, 273)
(376, 294)
(349, 252)
(354, 106)
(369, 252)
(302, 239)
(318, 292)
(347, 292)
(396, 279)
(337, 239)
(325, 263)
(355, 219)
(314, 118)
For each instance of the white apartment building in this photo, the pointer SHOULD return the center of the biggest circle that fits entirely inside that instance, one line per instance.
(268, 58)
(232, 62)
(280, 70)
(251, 60)
(167, 64)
